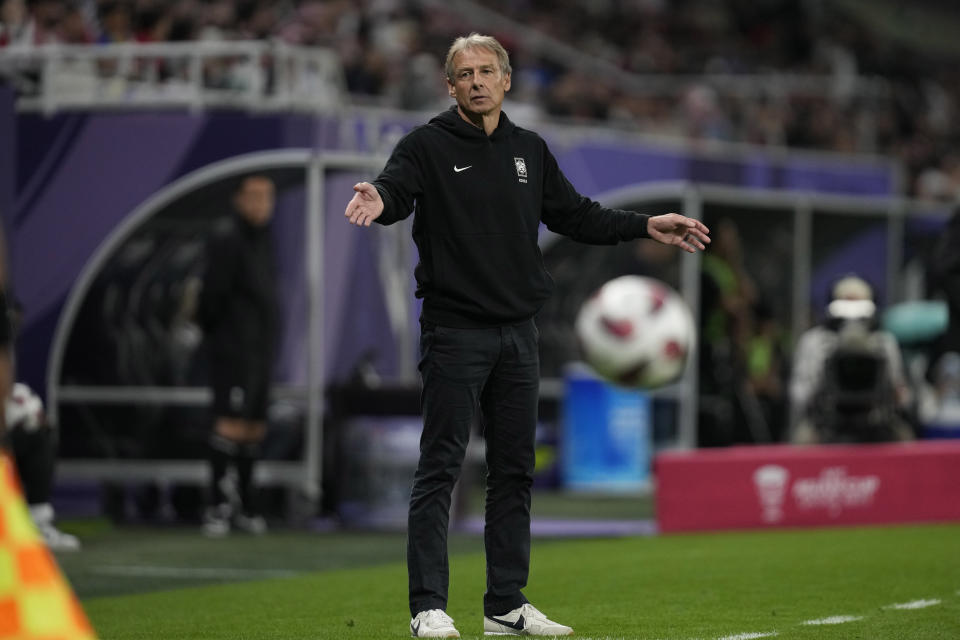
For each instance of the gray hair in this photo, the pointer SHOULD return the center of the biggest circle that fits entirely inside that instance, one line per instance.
(477, 41)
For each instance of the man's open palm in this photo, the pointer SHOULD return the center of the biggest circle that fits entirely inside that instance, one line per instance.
(365, 206)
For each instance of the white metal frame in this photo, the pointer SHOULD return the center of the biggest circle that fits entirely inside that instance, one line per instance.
(126, 75)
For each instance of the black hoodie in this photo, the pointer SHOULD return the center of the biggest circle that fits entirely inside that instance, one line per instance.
(479, 203)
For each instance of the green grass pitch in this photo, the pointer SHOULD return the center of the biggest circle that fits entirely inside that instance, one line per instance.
(681, 587)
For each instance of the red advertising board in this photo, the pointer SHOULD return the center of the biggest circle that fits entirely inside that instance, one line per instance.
(788, 486)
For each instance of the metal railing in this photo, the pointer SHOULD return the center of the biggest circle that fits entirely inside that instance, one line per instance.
(253, 75)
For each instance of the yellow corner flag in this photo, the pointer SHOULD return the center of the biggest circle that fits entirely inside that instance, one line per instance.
(35, 600)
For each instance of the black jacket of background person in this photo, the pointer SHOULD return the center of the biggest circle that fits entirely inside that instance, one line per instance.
(944, 276)
(6, 327)
(480, 200)
(238, 308)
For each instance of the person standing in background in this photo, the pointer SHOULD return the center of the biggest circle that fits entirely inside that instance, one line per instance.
(238, 313)
(943, 278)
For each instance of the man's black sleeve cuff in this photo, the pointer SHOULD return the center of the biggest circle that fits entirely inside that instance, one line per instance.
(387, 216)
(638, 225)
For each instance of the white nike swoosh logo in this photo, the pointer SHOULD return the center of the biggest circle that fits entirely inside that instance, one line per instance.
(459, 169)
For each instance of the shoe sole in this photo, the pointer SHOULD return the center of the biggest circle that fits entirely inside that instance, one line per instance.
(518, 632)
(524, 633)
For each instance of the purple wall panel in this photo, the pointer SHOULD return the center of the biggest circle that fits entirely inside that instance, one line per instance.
(340, 239)
(223, 135)
(759, 173)
(110, 169)
(850, 178)
(864, 254)
(594, 169)
(7, 158)
(356, 315)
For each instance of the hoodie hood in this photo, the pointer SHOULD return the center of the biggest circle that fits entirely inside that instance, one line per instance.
(451, 121)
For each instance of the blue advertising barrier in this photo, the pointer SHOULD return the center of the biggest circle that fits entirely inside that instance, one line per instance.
(606, 436)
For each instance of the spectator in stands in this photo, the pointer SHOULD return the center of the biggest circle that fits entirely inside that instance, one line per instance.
(765, 358)
(256, 19)
(35, 27)
(906, 116)
(728, 296)
(116, 23)
(74, 28)
(153, 24)
(238, 313)
(13, 22)
(218, 21)
(848, 381)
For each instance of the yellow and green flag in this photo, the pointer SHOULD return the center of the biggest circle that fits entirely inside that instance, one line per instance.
(36, 603)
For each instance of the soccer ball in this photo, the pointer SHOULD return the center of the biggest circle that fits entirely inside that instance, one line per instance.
(636, 332)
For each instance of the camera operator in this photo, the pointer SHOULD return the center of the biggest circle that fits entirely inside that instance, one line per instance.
(848, 382)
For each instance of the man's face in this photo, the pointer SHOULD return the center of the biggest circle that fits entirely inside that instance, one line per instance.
(478, 83)
(255, 200)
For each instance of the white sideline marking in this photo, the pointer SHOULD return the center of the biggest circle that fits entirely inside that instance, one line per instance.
(750, 636)
(833, 620)
(140, 571)
(913, 604)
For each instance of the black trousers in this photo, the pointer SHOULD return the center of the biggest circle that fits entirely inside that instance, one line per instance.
(494, 372)
(35, 454)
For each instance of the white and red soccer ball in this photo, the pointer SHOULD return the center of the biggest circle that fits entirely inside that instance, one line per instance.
(636, 332)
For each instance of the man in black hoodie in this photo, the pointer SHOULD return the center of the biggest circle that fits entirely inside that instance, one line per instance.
(482, 186)
(238, 312)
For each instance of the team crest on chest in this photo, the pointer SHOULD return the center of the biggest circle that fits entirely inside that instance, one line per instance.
(521, 166)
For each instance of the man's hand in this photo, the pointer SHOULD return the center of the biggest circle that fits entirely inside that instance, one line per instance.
(365, 206)
(673, 228)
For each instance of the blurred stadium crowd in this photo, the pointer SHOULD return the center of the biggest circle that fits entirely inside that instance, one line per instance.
(809, 75)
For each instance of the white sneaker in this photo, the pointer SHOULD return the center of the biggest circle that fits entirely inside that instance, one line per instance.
(434, 623)
(525, 621)
(56, 540)
(255, 525)
(216, 521)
